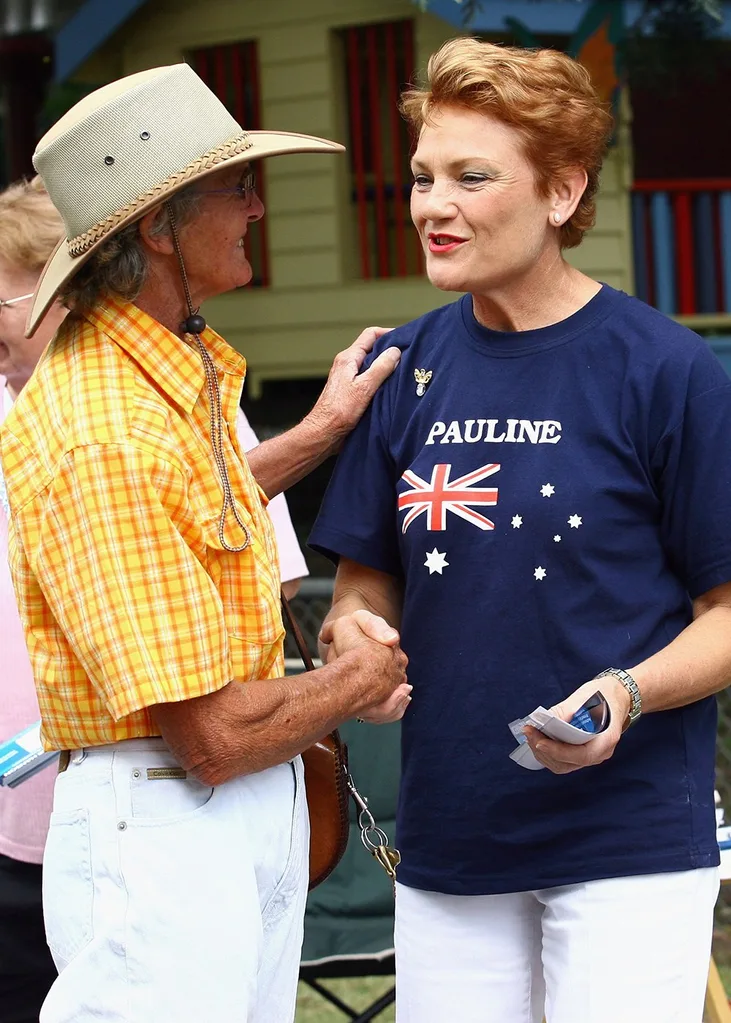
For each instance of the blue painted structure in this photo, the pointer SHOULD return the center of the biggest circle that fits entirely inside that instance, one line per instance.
(722, 347)
(86, 30)
(551, 16)
(655, 246)
(662, 249)
(725, 216)
(96, 20)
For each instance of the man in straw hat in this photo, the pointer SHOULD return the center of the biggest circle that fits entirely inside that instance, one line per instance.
(145, 569)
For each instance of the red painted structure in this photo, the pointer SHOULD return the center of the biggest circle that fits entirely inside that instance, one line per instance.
(378, 65)
(682, 243)
(232, 72)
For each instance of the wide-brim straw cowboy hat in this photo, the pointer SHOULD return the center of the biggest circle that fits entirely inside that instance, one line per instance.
(129, 146)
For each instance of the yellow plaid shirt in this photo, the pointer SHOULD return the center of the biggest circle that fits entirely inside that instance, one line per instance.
(126, 595)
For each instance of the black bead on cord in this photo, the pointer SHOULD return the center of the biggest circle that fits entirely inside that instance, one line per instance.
(194, 324)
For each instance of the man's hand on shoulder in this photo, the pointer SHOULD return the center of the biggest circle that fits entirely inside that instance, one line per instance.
(348, 392)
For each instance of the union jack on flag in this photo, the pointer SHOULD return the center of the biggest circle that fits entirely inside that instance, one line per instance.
(439, 496)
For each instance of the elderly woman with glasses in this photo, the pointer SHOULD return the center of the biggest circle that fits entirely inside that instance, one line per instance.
(29, 230)
(540, 500)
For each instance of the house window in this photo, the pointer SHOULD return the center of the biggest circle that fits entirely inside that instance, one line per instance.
(231, 71)
(379, 63)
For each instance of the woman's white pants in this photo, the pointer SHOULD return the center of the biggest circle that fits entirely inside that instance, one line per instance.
(624, 950)
(167, 901)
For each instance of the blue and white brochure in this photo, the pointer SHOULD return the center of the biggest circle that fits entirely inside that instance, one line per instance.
(22, 756)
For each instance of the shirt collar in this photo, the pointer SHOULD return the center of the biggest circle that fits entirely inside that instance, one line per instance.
(172, 363)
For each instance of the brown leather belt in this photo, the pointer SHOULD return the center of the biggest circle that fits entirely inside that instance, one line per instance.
(63, 760)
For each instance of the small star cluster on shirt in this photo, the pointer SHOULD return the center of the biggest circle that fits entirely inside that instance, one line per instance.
(436, 561)
(574, 521)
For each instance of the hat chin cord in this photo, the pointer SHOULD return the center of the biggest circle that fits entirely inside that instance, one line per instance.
(194, 325)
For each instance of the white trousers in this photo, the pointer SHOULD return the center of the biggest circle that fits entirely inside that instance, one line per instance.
(624, 950)
(170, 902)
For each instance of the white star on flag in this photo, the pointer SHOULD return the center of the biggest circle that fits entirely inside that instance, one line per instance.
(516, 521)
(557, 538)
(548, 490)
(540, 573)
(574, 521)
(435, 561)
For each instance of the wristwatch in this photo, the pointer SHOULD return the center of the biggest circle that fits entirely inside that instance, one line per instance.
(635, 706)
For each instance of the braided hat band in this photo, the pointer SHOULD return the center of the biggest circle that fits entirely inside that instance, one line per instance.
(82, 243)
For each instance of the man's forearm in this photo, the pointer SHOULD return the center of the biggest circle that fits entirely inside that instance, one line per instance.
(249, 726)
(277, 464)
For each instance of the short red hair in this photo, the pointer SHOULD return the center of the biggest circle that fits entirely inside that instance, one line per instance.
(546, 95)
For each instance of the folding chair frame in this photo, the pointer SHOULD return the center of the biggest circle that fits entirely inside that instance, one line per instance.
(312, 973)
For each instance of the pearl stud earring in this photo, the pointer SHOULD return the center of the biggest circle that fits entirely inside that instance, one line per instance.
(557, 218)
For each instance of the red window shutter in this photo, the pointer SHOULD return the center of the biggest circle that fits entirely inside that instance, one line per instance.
(231, 71)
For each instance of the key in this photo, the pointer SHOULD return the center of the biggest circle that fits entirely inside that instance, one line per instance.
(389, 858)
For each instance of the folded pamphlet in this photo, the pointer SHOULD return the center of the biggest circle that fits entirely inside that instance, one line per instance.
(579, 730)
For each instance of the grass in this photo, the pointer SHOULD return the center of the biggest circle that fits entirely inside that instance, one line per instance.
(359, 993)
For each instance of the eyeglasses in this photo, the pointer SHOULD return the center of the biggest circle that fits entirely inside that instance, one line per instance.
(13, 301)
(244, 190)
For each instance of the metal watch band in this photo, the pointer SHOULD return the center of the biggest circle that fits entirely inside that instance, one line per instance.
(635, 707)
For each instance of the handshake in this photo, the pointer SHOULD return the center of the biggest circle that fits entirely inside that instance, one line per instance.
(372, 645)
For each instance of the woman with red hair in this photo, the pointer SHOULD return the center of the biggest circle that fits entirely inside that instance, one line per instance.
(539, 500)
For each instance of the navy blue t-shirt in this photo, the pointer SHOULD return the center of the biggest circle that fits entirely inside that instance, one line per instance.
(552, 500)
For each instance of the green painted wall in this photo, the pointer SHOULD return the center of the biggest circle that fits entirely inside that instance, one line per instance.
(314, 306)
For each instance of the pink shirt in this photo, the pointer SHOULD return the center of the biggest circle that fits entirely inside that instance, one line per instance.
(291, 561)
(24, 811)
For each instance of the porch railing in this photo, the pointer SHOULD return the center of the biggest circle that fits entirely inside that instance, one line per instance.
(682, 245)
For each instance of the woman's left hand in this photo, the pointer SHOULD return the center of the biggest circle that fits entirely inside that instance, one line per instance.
(562, 757)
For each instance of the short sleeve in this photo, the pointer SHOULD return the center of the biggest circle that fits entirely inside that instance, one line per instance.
(692, 467)
(358, 516)
(132, 599)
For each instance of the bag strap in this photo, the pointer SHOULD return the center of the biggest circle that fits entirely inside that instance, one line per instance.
(296, 631)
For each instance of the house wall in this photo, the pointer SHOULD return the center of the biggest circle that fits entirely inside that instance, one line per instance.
(314, 307)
